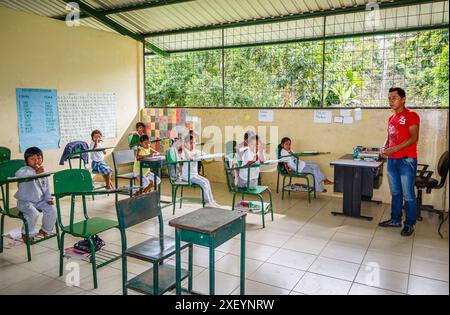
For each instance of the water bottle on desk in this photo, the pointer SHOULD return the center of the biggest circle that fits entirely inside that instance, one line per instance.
(355, 153)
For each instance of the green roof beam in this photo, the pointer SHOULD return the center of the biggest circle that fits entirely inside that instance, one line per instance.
(91, 12)
(134, 7)
(313, 39)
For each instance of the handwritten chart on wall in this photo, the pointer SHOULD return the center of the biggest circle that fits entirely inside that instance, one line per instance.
(80, 113)
(37, 112)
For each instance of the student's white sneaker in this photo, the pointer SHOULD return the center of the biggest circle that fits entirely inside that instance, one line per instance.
(212, 205)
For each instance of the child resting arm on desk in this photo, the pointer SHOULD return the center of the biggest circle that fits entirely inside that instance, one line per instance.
(303, 167)
(34, 196)
(250, 157)
(145, 150)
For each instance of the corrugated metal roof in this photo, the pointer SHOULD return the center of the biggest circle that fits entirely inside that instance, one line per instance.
(178, 15)
(385, 20)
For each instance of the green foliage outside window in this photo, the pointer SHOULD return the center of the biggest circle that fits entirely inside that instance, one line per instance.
(354, 71)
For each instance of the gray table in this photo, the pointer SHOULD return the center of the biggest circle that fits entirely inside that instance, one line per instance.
(210, 227)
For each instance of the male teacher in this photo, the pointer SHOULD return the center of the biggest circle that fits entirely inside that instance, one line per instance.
(401, 150)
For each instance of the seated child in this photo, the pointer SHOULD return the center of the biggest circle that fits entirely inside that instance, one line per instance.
(243, 146)
(188, 153)
(143, 152)
(98, 165)
(250, 157)
(303, 167)
(34, 197)
(140, 130)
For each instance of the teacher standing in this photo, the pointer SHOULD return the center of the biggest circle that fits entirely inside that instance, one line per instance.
(401, 150)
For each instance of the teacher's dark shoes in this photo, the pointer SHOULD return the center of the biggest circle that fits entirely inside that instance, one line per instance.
(390, 223)
(407, 231)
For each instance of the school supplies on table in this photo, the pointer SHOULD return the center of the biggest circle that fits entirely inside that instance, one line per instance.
(366, 153)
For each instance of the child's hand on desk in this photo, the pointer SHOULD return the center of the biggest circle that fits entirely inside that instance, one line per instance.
(39, 169)
(51, 202)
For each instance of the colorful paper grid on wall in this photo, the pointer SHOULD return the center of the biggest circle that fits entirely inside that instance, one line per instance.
(160, 121)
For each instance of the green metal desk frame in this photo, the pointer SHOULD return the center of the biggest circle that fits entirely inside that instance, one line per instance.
(209, 227)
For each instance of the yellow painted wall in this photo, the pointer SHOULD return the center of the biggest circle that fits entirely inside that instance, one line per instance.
(38, 52)
(338, 139)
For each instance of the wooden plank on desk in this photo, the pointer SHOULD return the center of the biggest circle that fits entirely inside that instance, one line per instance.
(206, 220)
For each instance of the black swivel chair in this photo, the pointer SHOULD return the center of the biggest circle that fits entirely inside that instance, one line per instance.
(425, 181)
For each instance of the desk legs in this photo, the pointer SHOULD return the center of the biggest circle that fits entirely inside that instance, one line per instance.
(352, 193)
(178, 261)
(212, 282)
(140, 178)
(243, 257)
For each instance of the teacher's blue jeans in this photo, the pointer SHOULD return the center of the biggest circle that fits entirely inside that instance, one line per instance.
(402, 176)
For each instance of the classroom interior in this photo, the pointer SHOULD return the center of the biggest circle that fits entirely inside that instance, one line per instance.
(304, 249)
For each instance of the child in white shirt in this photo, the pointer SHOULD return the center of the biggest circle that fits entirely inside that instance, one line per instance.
(251, 156)
(34, 197)
(98, 164)
(189, 153)
(303, 167)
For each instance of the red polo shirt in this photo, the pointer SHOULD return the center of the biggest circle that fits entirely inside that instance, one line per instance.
(398, 133)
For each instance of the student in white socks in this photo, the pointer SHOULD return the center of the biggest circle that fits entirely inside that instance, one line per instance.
(189, 153)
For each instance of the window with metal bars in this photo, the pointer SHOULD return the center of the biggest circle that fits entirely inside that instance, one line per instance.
(341, 72)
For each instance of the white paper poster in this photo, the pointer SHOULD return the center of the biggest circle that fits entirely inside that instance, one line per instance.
(266, 115)
(358, 114)
(338, 119)
(348, 120)
(80, 113)
(323, 116)
(346, 112)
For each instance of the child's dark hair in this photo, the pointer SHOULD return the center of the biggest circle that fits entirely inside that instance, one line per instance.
(284, 140)
(96, 132)
(140, 124)
(144, 138)
(32, 151)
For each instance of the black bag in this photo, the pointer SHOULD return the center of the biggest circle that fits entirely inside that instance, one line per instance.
(85, 247)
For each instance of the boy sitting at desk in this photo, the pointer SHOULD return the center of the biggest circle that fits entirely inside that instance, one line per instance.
(145, 151)
(189, 153)
(97, 157)
(34, 196)
(303, 167)
(251, 156)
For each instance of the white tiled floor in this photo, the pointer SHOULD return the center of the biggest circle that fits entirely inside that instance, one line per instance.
(306, 250)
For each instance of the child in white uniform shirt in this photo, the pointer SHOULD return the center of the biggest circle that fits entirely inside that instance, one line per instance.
(98, 165)
(34, 197)
(303, 167)
(250, 157)
(189, 153)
